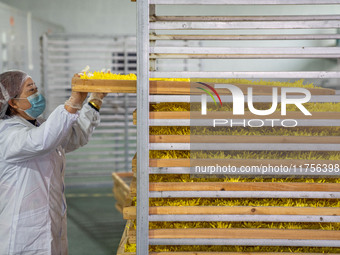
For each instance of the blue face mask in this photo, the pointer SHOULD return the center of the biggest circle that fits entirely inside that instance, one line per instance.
(38, 105)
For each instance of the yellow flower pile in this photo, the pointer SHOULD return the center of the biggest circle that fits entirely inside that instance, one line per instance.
(223, 224)
(107, 76)
(278, 131)
(182, 107)
(247, 249)
(221, 178)
(102, 75)
(298, 83)
(285, 202)
(111, 76)
(310, 155)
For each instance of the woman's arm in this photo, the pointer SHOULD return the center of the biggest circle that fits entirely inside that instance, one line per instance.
(20, 143)
(82, 129)
(88, 120)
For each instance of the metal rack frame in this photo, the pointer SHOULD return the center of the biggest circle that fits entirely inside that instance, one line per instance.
(148, 52)
(143, 127)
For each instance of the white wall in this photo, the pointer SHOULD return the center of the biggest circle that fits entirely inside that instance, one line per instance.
(20, 42)
(119, 16)
(84, 16)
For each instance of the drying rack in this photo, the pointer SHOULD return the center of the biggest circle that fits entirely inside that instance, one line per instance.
(151, 29)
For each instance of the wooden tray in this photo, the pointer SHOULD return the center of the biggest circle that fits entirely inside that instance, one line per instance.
(121, 189)
(130, 212)
(229, 115)
(171, 87)
(129, 86)
(239, 186)
(233, 162)
(243, 139)
(124, 240)
(239, 233)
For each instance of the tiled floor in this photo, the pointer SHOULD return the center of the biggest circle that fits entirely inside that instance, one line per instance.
(94, 227)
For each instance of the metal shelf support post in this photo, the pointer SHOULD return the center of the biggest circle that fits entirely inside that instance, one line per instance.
(143, 127)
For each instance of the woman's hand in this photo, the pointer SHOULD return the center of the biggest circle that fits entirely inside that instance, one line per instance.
(97, 95)
(97, 98)
(78, 97)
(75, 102)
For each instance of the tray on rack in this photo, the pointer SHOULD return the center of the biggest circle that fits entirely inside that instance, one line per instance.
(170, 87)
(181, 162)
(124, 240)
(173, 115)
(241, 235)
(129, 86)
(121, 189)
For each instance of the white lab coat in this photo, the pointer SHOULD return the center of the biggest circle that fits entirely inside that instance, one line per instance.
(32, 163)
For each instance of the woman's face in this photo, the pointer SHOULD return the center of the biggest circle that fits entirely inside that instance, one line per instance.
(20, 102)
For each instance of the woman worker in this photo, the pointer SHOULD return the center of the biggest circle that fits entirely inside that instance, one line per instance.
(32, 163)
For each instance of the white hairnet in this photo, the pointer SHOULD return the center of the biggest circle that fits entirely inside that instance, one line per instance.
(10, 86)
